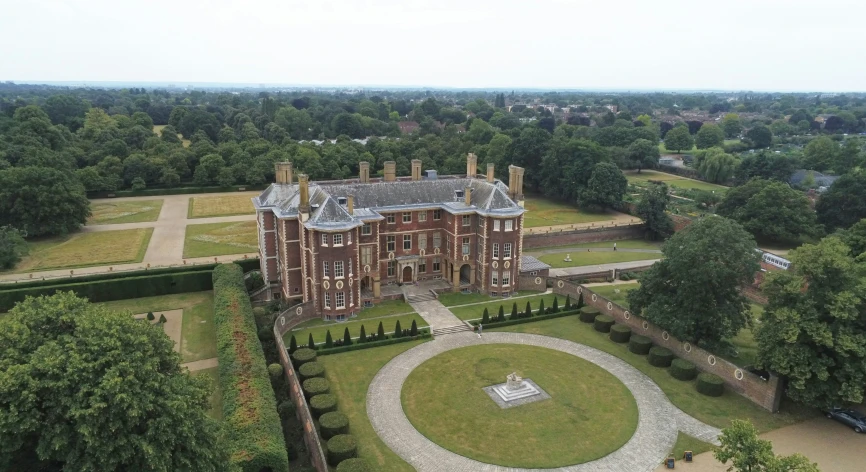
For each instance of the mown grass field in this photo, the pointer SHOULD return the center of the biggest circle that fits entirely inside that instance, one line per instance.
(584, 258)
(110, 212)
(671, 180)
(86, 250)
(541, 211)
(615, 292)
(223, 205)
(582, 421)
(337, 329)
(458, 298)
(473, 312)
(219, 239)
(621, 244)
(379, 310)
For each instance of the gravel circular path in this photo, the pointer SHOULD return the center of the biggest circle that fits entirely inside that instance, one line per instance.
(658, 423)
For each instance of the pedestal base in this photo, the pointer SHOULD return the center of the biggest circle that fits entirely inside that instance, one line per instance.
(507, 398)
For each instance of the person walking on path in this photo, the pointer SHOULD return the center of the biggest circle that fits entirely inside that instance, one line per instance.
(614, 246)
(480, 327)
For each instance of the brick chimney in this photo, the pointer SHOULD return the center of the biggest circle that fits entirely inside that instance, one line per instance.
(467, 196)
(490, 177)
(471, 165)
(364, 172)
(416, 169)
(283, 170)
(390, 171)
(304, 196)
(515, 183)
(350, 204)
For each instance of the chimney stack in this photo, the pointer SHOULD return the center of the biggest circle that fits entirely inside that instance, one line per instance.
(364, 172)
(304, 195)
(490, 177)
(283, 170)
(471, 165)
(515, 183)
(416, 169)
(467, 195)
(390, 171)
(350, 204)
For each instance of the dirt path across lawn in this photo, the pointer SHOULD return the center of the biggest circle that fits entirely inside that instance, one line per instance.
(172, 326)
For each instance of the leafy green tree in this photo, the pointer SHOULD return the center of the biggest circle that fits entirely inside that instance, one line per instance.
(380, 333)
(716, 165)
(12, 247)
(849, 157)
(813, 330)
(310, 343)
(329, 341)
(514, 314)
(397, 331)
(293, 344)
(709, 136)
(746, 452)
(413, 330)
(842, 205)
(485, 317)
(643, 154)
(820, 154)
(363, 336)
(645, 119)
(693, 292)
(855, 237)
(760, 136)
(501, 315)
(770, 210)
(347, 338)
(765, 165)
(528, 312)
(679, 139)
(42, 201)
(731, 125)
(606, 186)
(85, 388)
(651, 209)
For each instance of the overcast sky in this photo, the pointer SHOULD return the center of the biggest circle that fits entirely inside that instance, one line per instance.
(800, 45)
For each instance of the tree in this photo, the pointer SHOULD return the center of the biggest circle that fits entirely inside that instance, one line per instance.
(12, 247)
(770, 210)
(760, 136)
(643, 154)
(310, 343)
(363, 336)
(555, 307)
(855, 237)
(716, 165)
(765, 165)
(397, 331)
(842, 205)
(693, 292)
(651, 209)
(567, 302)
(413, 330)
(580, 303)
(528, 312)
(293, 344)
(731, 125)
(162, 319)
(329, 341)
(813, 330)
(747, 453)
(709, 136)
(380, 333)
(514, 315)
(150, 316)
(679, 139)
(820, 154)
(485, 317)
(347, 338)
(606, 186)
(501, 315)
(42, 201)
(86, 388)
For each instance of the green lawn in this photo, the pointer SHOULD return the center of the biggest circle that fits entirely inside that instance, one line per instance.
(541, 211)
(197, 338)
(582, 421)
(337, 329)
(458, 298)
(350, 374)
(715, 411)
(222, 205)
(744, 342)
(584, 258)
(671, 180)
(687, 443)
(379, 310)
(610, 292)
(86, 250)
(216, 395)
(130, 211)
(474, 312)
(622, 244)
(219, 239)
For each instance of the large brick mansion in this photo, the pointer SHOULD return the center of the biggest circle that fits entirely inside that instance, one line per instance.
(336, 243)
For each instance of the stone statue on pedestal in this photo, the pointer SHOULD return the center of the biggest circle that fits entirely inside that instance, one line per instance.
(514, 381)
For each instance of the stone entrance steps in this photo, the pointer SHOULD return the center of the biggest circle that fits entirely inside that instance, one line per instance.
(420, 297)
(451, 330)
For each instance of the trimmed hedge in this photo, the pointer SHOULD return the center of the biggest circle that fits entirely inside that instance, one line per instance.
(682, 369)
(516, 321)
(639, 344)
(603, 323)
(354, 464)
(341, 447)
(173, 191)
(323, 403)
(710, 385)
(423, 334)
(302, 356)
(660, 356)
(588, 314)
(333, 423)
(316, 386)
(254, 434)
(620, 333)
(310, 370)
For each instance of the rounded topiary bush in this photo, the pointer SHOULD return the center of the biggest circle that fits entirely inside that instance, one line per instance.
(310, 370)
(660, 356)
(341, 447)
(682, 369)
(316, 386)
(302, 356)
(710, 385)
(333, 423)
(588, 314)
(286, 409)
(322, 403)
(354, 464)
(639, 344)
(603, 323)
(620, 333)
(275, 371)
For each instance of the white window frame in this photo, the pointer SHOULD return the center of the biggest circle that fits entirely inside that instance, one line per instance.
(407, 217)
(467, 220)
(366, 255)
(327, 301)
(338, 270)
(324, 239)
(496, 225)
(338, 239)
(437, 215)
(392, 268)
(390, 243)
(467, 249)
(422, 216)
(407, 238)
(509, 225)
(506, 278)
(437, 239)
(390, 219)
(506, 250)
(494, 278)
(326, 270)
(422, 266)
(437, 264)
(341, 300)
(496, 250)
(422, 241)
(367, 229)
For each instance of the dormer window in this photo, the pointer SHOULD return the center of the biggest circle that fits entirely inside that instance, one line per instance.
(458, 195)
(342, 200)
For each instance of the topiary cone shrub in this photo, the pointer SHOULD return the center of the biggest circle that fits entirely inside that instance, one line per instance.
(323, 403)
(302, 356)
(602, 323)
(620, 333)
(333, 423)
(682, 369)
(310, 370)
(341, 447)
(710, 385)
(316, 386)
(639, 344)
(355, 464)
(588, 314)
(660, 356)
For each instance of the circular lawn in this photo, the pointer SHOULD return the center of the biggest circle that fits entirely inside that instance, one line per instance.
(589, 415)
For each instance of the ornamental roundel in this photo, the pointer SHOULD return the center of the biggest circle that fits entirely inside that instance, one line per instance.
(391, 256)
(465, 258)
(282, 321)
(711, 359)
(626, 315)
(594, 296)
(422, 252)
(494, 264)
(350, 281)
(579, 290)
(665, 335)
(326, 285)
(339, 284)
(687, 347)
(299, 310)
(435, 250)
(609, 306)
(507, 264)
(366, 268)
(538, 281)
(738, 374)
(560, 284)
(645, 325)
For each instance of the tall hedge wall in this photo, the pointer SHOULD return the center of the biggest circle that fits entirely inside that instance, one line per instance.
(253, 429)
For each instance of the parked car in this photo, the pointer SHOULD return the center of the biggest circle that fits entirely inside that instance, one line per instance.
(852, 418)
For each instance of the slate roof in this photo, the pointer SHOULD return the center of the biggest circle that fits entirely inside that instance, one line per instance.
(529, 264)
(488, 199)
(821, 180)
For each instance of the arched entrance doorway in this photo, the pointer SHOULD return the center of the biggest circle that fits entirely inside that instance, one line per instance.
(465, 273)
(407, 274)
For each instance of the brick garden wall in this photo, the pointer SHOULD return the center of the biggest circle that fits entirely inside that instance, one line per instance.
(587, 235)
(767, 394)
